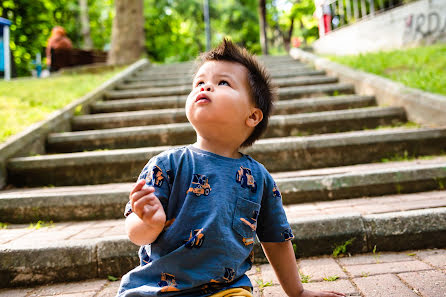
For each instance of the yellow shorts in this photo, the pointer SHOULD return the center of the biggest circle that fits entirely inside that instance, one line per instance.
(234, 292)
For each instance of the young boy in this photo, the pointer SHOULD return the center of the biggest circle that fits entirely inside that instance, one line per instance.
(206, 202)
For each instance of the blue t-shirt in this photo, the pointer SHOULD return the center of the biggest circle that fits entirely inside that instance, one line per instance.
(214, 207)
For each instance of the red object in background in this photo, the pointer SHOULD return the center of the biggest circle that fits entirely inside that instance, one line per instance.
(327, 23)
(295, 41)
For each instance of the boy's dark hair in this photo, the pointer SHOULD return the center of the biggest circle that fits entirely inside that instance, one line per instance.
(259, 80)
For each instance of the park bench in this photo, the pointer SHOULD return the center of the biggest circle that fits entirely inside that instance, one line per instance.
(63, 58)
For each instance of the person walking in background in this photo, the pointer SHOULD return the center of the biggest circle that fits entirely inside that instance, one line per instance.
(57, 40)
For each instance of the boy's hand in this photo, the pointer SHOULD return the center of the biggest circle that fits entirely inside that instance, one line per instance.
(146, 205)
(307, 293)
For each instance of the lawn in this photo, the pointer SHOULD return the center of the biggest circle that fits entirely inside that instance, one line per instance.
(27, 101)
(421, 67)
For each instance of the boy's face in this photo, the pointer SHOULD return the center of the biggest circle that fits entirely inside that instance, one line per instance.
(220, 102)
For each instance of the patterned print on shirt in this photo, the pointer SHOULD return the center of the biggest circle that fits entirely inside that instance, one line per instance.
(229, 275)
(276, 191)
(288, 234)
(168, 283)
(196, 239)
(170, 176)
(200, 185)
(248, 241)
(245, 179)
(155, 178)
(169, 223)
(251, 222)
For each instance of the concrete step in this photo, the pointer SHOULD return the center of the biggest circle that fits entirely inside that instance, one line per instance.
(277, 154)
(311, 104)
(184, 67)
(284, 93)
(161, 73)
(128, 119)
(83, 250)
(396, 273)
(183, 133)
(282, 74)
(139, 104)
(153, 92)
(99, 202)
(154, 84)
(280, 82)
(178, 115)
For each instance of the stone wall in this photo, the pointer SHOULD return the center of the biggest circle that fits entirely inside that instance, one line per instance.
(419, 22)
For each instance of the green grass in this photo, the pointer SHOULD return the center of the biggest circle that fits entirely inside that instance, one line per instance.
(331, 278)
(421, 67)
(41, 224)
(262, 284)
(304, 278)
(341, 249)
(27, 101)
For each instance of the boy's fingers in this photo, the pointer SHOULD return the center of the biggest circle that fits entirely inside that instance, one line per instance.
(146, 200)
(135, 196)
(148, 211)
(138, 207)
(138, 186)
(332, 294)
(138, 195)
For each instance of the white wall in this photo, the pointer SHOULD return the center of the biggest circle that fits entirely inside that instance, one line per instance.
(423, 21)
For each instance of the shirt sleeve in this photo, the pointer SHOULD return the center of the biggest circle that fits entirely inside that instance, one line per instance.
(158, 176)
(272, 225)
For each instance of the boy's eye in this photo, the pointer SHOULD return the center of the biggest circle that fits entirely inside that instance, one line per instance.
(200, 83)
(223, 83)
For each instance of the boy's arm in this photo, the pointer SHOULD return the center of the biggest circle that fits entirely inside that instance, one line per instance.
(281, 256)
(148, 218)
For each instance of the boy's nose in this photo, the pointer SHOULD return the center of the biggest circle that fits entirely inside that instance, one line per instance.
(206, 87)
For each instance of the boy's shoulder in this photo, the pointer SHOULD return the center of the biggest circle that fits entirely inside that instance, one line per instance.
(261, 167)
(171, 152)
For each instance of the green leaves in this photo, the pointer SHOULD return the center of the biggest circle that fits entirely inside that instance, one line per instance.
(32, 22)
(174, 29)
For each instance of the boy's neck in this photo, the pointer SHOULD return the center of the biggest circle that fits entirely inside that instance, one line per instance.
(218, 147)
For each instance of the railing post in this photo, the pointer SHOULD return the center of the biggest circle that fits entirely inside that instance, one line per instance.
(355, 9)
(363, 9)
(348, 8)
(7, 53)
(333, 11)
(372, 7)
(341, 11)
(380, 4)
(207, 24)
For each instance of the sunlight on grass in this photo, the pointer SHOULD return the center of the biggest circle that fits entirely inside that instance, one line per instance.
(27, 101)
(422, 67)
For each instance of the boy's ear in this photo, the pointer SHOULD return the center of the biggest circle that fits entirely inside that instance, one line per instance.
(254, 118)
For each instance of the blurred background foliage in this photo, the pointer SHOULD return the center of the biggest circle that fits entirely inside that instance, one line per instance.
(33, 20)
(174, 28)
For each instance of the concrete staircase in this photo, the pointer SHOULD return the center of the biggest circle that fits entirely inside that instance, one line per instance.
(348, 170)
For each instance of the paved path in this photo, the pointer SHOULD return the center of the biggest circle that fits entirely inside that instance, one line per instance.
(403, 274)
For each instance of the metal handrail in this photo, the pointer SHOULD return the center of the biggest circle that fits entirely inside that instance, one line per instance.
(345, 12)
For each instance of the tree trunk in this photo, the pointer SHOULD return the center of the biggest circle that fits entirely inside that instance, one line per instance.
(262, 24)
(85, 25)
(287, 37)
(302, 27)
(128, 39)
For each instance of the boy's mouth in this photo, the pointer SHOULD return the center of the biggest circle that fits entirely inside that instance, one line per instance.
(202, 97)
